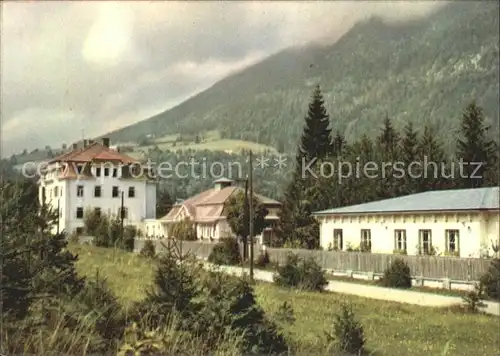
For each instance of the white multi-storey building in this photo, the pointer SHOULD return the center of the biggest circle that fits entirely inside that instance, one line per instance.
(94, 176)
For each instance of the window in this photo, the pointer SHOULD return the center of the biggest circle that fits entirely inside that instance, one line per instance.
(97, 191)
(115, 192)
(79, 213)
(79, 190)
(98, 171)
(131, 192)
(452, 240)
(337, 239)
(115, 172)
(123, 214)
(97, 211)
(366, 240)
(56, 191)
(425, 242)
(400, 240)
(106, 172)
(79, 230)
(79, 168)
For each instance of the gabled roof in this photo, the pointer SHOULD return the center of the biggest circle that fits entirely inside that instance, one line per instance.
(209, 205)
(94, 152)
(438, 200)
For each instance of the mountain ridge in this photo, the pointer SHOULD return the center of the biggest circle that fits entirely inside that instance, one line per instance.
(422, 70)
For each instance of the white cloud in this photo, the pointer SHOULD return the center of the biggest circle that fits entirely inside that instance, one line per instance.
(101, 65)
(110, 39)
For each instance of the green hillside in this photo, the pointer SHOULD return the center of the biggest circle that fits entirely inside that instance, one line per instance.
(427, 70)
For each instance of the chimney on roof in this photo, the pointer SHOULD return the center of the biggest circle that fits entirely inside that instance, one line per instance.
(105, 141)
(222, 183)
(75, 146)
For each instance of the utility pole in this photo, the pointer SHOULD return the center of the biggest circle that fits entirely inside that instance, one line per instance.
(246, 221)
(58, 214)
(250, 182)
(122, 215)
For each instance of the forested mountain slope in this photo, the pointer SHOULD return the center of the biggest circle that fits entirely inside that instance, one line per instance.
(424, 71)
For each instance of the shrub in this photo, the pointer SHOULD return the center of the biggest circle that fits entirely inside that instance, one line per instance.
(226, 252)
(230, 306)
(285, 314)
(148, 250)
(263, 259)
(348, 333)
(305, 274)
(175, 290)
(397, 275)
(474, 299)
(183, 230)
(491, 280)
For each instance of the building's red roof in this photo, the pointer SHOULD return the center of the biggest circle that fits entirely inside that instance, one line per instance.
(94, 152)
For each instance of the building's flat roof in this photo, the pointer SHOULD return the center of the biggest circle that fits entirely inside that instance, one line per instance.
(437, 200)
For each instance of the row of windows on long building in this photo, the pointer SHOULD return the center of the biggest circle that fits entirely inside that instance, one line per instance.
(425, 245)
(98, 192)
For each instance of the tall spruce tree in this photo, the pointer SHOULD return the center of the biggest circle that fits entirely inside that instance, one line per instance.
(409, 156)
(316, 139)
(475, 147)
(388, 142)
(296, 222)
(433, 160)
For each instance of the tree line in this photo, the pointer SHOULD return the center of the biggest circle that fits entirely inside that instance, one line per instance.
(323, 157)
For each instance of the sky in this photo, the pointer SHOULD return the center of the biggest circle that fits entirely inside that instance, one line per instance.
(72, 69)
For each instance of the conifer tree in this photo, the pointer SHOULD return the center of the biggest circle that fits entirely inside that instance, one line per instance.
(433, 160)
(287, 224)
(231, 306)
(338, 144)
(409, 157)
(174, 290)
(388, 140)
(316, 139)
(475, 147)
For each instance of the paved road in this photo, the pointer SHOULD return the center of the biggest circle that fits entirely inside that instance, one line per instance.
(374, 292)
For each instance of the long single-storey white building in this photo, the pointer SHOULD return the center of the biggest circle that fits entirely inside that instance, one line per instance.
(462, 222)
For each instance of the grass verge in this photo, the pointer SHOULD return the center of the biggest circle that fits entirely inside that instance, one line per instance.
(391, 328)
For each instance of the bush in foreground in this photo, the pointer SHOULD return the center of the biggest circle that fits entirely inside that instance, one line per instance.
(348, 334)
(226, 252)
(398, 275)
(473, 300)
(304, 274)
(231, 306)
(491, 280)
(148, 250)
(263, 259)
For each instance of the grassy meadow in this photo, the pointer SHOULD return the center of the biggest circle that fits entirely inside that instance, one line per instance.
(390, 328)
(210, 141)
